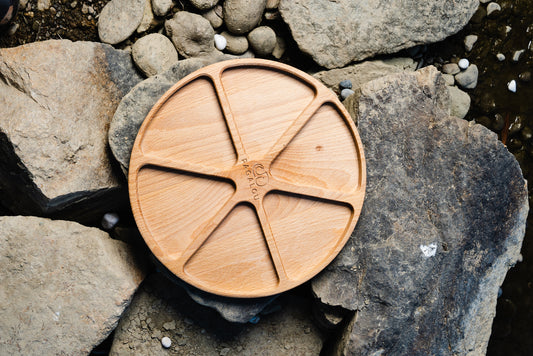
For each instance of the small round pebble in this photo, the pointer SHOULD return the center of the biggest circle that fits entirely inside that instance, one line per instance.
(346, 93)
(220, 42)
(463, 63)
(517, 55)
(450, 68)
(154, 54)
(262, 39)
(525, 77)
(166, 342)
(493, 8)
(500, 57)
(345, 84)
(110, 220)
(512, 86)
(469, 42)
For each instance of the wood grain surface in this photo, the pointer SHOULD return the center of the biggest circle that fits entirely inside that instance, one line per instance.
(247, 178)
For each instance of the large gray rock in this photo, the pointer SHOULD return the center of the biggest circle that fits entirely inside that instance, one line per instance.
(134, 107)
(64, 286)
(56, 101)
(161, 309)
(241, 16)
(191, 34)
(443, 220)
(338, 32)
(119, 19)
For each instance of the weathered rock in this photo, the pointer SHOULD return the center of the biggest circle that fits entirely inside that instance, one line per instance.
(459, 102)
(262, 40)
(235, 44)
(363, 72)
(64, 286)
(449, 79)
(468, 78)
(241, 16)
(335, 33)
(137, 103)
(119, 19)
(154, 53)
(148, 21)
(161, 309)
(280, 48)
(451, 68)
(443, 220)
(215, 16)
(43, 4)
(162, 7)
(203, 4)
(56, 101)
(469, 42)
(191, 34)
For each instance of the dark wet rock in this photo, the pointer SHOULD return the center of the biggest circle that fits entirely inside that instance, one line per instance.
(443, 221)
(64, 286)
(56, 101)
(338, 32)
(232, 309)
(161, 309)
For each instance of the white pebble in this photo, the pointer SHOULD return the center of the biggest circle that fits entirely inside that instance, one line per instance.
(508, 29)
(517, 55)
(492, 7)
(109, 220)
(166, 342)
(220, 42)
(346, 93)
(463, 63)
(512, 86)
(501, 57)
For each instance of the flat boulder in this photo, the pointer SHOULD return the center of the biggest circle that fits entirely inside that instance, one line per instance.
(443, 220)
(64, 286)
(57, 99)
(335, 33)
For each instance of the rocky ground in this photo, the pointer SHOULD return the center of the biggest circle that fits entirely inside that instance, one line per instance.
(187, 35)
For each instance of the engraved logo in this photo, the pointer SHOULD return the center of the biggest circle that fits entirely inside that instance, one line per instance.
(256, 175)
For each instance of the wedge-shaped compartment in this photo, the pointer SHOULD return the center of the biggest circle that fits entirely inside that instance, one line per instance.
(176, 205)
(307, 231)
(235, 258)
(323, 154)
(190, 127)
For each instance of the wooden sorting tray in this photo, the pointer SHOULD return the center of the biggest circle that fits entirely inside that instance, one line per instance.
(247, 178)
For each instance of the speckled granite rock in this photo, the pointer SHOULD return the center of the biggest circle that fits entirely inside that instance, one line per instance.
(338, 32)
(64, 286)
(443, 220)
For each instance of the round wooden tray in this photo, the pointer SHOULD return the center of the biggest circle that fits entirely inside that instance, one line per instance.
(247, 178)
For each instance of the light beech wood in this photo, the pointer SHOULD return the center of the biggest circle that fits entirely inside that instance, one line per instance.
(247, 178)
